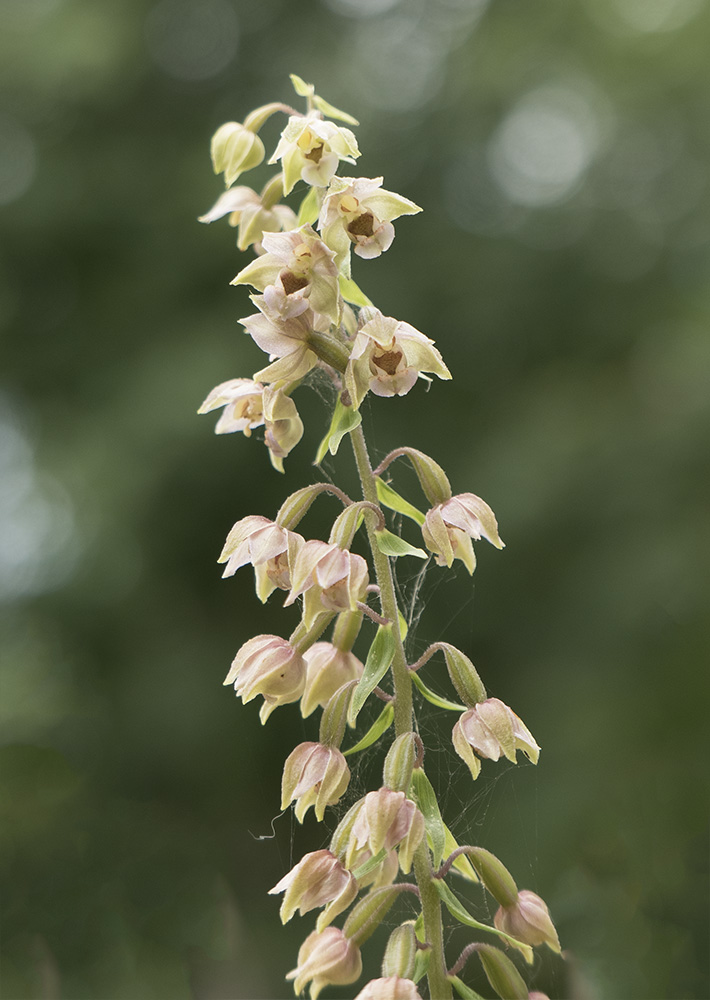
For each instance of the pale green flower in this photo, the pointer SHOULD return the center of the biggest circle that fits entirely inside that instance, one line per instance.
(310, 150)
(251, 214)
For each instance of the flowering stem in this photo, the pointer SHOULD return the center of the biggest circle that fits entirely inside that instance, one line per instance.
(439, 985)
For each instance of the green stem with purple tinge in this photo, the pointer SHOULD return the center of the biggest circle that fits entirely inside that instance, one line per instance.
(439, 985)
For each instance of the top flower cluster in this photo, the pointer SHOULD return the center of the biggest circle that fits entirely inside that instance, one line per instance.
(310, 311)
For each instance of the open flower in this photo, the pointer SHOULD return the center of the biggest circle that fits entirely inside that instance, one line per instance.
(311, 148)
(491, 729)
(248, 404)
(327, 669)
(268, 665)
(270, 549)
(358, 213)
(388, 356)
(449, 527)
(296, 271)
(390, 988)
(331, 578)
(318, 879)
(284, 339)
(251, 213)
(314, 775)
(528, 920)
(328, 958)
(387, 819)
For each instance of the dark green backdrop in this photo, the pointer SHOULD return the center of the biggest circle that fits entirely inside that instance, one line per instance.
(560, 151)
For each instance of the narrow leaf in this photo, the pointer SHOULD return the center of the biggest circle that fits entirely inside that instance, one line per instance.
(436, 699)
(464, 991)
(333, 112)
(376, 666)
(308, 212)
(462, 865)
(403, 627)
(394, 545)
(459, 911)
(390, 498)
(425, 797)
(345, 419)
(421, 964)
(352, 292)
(378, 727)
(302, 88)
(370, 865)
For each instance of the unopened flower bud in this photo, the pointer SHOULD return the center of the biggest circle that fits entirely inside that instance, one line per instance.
(318, 879)
(335, 716)
(536, 995)
(390, 988)
(235, 149)
(368, 914)
(268, 665)
(399, 763)
(491, 729)
(464, 675)
(501, 973)
(528, 920)
(314, 775)
(432, 478)
(326, 958)
(495, 876)
(449, 527)
(327, 669)
(401, 952)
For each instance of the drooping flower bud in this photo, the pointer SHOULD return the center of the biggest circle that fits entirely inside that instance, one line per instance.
(318, 879)
(528, 920)
(494, 875)
(268, 665)
(364, 918)
(331, 578)
(270, 549)
(283, 428)
(235, 149)
(327, 669)
(242, 402)
(358, 212)
(388, 357)
(311, 148)
(501, 973)
(387, 819)
(252, 213)
(390, 988)
(314, 775)
(491, 729)
(283, 339)
(399, 763)
(326, 958)
(400, 954)
(449, 527)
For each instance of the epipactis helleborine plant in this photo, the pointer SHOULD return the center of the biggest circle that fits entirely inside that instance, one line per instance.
(311, 314)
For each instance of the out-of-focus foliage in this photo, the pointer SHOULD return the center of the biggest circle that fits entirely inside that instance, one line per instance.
(560, 151)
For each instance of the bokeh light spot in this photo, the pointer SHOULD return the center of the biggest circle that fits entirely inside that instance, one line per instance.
(192, 40)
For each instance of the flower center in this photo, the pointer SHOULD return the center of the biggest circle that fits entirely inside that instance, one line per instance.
(292, 282)
(363, 225)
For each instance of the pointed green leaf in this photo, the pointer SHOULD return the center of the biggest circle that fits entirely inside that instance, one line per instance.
(464, 991)
(394, 545)
(403, 627)
(459, 911)
(345, 419)
(378, 727)
(436, 699)
(376, 666)
(332, 112)
(369, 866)
(302, 88)
(462, 865)
(390, 498)
(308, 212)
(425, 797)
(352, 292)
(421, 964)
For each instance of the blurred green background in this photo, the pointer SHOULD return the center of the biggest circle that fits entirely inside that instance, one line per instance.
(560, 152)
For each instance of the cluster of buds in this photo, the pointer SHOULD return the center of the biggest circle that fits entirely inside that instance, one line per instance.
(310, 314)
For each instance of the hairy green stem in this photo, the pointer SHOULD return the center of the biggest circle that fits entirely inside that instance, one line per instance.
(439, 985)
